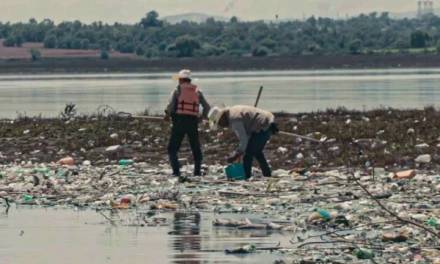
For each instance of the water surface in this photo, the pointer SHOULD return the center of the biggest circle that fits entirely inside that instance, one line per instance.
(291, 91)
(43, 236)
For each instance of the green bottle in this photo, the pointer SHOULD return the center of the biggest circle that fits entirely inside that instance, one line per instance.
(126, 162)
(324, 214)
(44, 171)
(432, 222)
(27, 197)
(61, 174)
(362, 253)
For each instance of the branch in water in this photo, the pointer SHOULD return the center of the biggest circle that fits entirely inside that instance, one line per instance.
(406, 221)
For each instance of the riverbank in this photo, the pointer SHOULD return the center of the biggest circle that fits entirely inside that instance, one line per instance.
(311, 62)
(385, 137)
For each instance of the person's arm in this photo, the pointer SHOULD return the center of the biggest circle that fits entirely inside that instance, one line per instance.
(171, 107)
(205, 105)
(242, 135)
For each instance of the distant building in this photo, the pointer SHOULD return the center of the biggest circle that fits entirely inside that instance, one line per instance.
(425, 7)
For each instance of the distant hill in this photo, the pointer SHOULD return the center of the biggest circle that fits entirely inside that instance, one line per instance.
(411, 14)
(403, 15)
(192, 17)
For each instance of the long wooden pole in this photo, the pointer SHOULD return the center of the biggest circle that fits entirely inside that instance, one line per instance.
(299, 136)
(159, 118)
(283, 132)
(258, 97)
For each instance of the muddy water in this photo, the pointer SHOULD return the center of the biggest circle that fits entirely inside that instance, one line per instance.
(292, 91)
(41, 236)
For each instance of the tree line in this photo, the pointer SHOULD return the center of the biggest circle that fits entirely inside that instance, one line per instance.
(152, 37)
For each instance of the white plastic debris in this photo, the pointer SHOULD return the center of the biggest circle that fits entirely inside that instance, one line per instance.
(422, 146)
(282, 150)
(426, 158)
(113, 148)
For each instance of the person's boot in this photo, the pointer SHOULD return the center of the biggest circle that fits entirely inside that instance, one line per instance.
(176, 170)
(197, 170)
(183, 179)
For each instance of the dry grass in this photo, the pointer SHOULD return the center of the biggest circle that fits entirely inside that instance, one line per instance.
(23, 52)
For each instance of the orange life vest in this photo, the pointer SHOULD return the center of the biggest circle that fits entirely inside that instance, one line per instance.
(188, 101)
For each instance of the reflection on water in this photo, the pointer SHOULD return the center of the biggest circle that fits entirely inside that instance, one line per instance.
(41, 236)
(194, 240)
(187, 239)
(292, 91)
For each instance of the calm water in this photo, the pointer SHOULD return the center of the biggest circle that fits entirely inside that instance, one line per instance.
(46, 236)
(292, 91)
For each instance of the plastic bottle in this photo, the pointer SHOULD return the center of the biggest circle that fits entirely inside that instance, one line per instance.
(242, 250)
(362, 253)
(61, 173)
(324, 214)
(27, 197)
(43, 171)
(67, 161)
(432, 222)
(126, 162)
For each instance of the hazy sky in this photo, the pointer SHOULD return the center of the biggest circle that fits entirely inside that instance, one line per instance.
(132, 10)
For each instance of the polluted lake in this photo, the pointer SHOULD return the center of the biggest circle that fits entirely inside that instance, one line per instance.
(135, 213)
(48, 235)
(98, 189)
(220, 135)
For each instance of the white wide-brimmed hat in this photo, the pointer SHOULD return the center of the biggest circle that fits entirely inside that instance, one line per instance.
(183, 74)
(214, 116)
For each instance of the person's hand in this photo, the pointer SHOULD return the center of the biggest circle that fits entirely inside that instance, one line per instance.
(234, 157)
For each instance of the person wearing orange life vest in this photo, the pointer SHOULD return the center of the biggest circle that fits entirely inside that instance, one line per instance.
(184, 111)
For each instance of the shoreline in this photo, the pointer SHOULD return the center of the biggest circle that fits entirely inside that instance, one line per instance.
(290, 204)
(388, 138)
(129, 65)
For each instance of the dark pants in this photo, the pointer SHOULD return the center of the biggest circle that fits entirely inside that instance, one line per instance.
(185, 125)
(255, 148)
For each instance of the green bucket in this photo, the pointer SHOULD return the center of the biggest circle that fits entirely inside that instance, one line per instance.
(235, 172)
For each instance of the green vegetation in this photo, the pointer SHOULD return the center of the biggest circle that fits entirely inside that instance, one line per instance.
(152, 37)
(420, 39)
(105, 55)
(35, 54)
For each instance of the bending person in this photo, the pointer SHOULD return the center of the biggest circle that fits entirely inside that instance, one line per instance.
(253, 127)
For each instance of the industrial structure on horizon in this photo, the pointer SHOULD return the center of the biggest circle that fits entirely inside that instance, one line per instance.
(425, 7)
